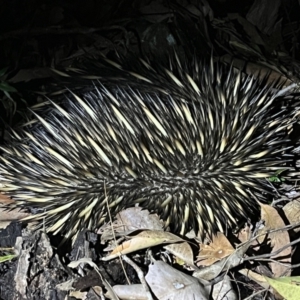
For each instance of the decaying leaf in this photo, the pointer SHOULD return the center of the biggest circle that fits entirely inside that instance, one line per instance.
(183, 253)
(145, 239)
(215, 251)
(292, 213)
(278, 239)
(169, 283)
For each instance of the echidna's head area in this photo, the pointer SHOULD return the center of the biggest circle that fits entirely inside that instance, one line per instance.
(186, 142)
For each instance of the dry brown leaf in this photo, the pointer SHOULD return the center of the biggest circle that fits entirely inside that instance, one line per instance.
(292, 213)
(215, 251)
(137, 218)
(225, 264)
(183, 252)
(145, 239)
(278, 239)
(5, 200)
(244, 234)
(7, 216)
(129, 220)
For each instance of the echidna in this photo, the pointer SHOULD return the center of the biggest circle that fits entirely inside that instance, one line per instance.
(187, 142)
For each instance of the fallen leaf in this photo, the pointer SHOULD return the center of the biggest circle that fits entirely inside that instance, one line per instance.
(292, 213)
(215, 251)
(259, 279)
(130, 220)
(133, 291)
(244, 234)
(183, 253)
(278, 239)
(223, 290)
(169, 283)
(145, 239)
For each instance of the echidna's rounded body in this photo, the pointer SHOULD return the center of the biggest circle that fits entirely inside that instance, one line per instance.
(185, 142)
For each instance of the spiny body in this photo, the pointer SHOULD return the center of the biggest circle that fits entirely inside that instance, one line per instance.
(186, 142)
